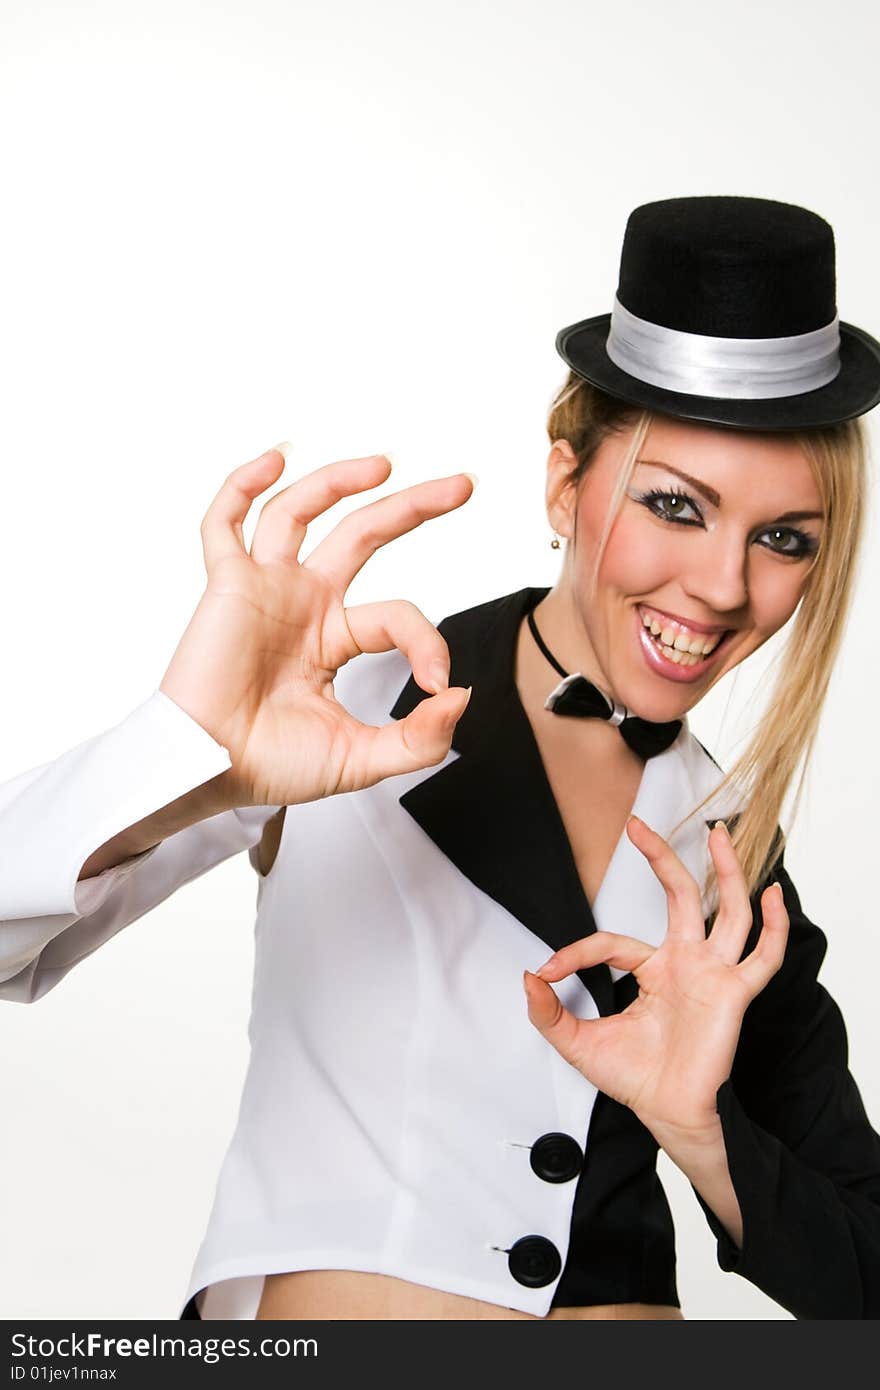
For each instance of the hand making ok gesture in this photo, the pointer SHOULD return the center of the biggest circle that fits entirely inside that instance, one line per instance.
(255, 666)
(666, 1055)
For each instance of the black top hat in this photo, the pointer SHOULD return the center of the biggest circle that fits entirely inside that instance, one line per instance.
(725, 312)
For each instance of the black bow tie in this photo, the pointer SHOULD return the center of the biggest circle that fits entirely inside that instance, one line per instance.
(577, 696)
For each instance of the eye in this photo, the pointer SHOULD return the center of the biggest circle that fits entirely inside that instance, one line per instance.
(803, 545)
(671, 506)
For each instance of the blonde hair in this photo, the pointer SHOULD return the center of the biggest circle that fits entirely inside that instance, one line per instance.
(785, 736)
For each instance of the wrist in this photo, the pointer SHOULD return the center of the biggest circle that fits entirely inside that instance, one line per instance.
(227, 792)
(700, 1153)
(211, 798)
(700, 1134)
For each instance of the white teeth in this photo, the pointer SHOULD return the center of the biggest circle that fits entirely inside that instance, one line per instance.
(686, 646)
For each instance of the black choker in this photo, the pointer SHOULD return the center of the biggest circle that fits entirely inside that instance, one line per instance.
(578, 697)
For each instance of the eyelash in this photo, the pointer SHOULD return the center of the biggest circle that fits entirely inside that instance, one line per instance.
(807, 545)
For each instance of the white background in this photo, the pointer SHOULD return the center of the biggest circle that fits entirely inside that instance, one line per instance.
(357, 226)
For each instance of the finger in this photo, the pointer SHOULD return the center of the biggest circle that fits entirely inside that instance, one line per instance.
(733, 922)
(569, 1035)
(420, 740)
(380, 627)
(281, 529)
(623, 952)
(684, 905)
(222, 523)
(761, 964)
(349, 545)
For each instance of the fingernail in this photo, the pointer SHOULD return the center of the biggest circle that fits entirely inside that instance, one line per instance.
(452, 719)
(719, 824)
(546, 966)
(637, 820)
(438, 674)
(285, 448)
(392, 458)
(473, 477)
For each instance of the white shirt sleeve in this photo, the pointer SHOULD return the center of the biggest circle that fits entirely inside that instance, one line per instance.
(53, 817)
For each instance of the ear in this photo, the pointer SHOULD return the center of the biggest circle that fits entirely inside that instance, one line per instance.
(561, 494)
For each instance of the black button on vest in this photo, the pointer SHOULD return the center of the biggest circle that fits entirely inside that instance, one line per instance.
(534, 1261)
(556, 1157)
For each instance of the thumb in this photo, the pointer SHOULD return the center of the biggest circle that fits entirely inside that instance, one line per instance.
(427, 730)
(420, 740)
(560, 1027)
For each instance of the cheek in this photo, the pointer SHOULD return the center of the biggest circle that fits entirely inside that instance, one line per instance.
(638, 558)
(775, 590)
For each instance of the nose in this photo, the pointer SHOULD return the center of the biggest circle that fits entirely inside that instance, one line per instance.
(717, 573)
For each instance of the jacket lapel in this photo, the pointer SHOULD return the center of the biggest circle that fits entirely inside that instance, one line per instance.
(491, 810)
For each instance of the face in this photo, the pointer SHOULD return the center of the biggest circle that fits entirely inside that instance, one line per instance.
(716, 559)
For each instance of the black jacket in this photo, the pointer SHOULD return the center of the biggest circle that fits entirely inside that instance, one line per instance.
(803, 1158)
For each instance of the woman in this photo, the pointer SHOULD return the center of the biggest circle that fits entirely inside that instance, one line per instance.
(408, 1144)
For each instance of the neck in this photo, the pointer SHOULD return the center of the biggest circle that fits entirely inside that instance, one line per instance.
(593, 739)
(563, 631)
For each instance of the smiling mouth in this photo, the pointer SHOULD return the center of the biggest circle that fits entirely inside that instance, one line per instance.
(680, 645)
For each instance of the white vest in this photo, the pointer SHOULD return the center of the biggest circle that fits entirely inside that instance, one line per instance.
(395, 1086)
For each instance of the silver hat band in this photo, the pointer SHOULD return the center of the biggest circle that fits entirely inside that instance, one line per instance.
(731, 368)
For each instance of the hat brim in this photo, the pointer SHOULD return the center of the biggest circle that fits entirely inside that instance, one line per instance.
(855, 389)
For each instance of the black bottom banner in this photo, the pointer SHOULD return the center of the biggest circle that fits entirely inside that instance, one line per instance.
(135, 1354)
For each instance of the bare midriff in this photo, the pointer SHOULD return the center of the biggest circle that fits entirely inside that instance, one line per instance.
(343, 1294)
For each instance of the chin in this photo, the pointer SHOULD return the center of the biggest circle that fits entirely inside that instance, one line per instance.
(661, 711)
(658, 698)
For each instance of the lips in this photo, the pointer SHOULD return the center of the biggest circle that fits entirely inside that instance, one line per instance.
(683, 667)
(687, 637)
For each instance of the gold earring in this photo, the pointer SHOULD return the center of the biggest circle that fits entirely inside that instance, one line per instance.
(556, 542)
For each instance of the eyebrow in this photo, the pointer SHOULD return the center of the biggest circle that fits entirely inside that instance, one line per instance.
(715, 498)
